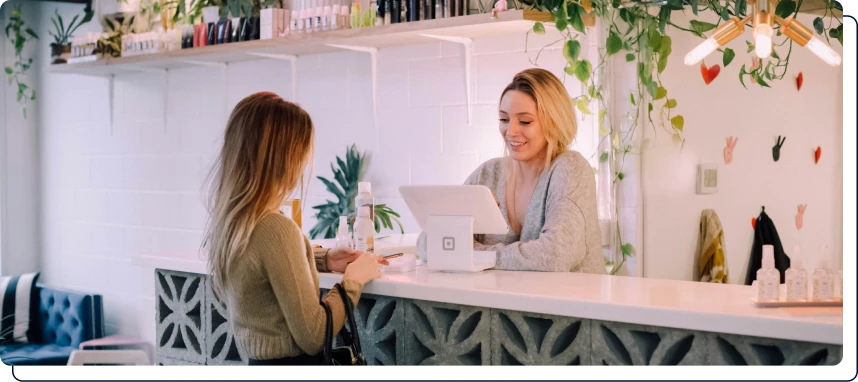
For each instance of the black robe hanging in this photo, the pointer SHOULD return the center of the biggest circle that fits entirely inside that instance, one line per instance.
(766, 233)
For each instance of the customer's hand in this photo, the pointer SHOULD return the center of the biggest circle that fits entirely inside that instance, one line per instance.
(340, 257)
(363, 270)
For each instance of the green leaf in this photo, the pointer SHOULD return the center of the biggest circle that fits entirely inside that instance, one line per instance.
(751, 46)
(694, 9)
(575, 17)
(724, 15)
(630, 57)
(678, 122)
(660, 93)
(674, 5)
(729, 54)
(538, 28)
(571, 51)
(591, 91)
(614, 43)
(9, 70)
(785, 8)
(32, 33)
(649, 108)
(819, 26)
(602, 114)
(583, 69)
(583, 105)
(671, 103)
(654, 40)
(838, 6)
(775, 54)
(620, 175)
(741, 8)
(627, 249)
(632, 99)
(742, 74)
(570, 69)
(652, 88)
(701, 26)
(603, 158)
(33, 95)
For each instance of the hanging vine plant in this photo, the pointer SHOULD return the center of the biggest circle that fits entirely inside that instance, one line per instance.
(638, 30)
(16, 74)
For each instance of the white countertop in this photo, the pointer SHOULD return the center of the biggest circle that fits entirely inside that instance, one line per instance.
(668, 303)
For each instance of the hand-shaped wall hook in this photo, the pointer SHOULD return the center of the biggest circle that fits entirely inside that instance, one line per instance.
(799, 217)
(728, 150)
(776, 149)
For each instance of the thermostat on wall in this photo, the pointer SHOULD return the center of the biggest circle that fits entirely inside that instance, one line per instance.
(707, 178)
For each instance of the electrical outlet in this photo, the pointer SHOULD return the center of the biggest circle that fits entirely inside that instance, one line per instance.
(707, 178)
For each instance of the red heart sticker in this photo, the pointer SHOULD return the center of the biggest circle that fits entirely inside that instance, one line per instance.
(709, 74)
(799, 80)
(754, 223)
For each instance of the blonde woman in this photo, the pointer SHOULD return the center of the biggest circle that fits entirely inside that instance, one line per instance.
(261, 263)
(546, 192)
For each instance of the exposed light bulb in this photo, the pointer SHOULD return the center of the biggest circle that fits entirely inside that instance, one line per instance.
(823, 51)
(763, 40)
(701, 51)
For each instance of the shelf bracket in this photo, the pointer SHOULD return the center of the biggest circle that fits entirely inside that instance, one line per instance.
(373, 55)
(165, 94)
(466, 43)
(293, 60)
(110, 87)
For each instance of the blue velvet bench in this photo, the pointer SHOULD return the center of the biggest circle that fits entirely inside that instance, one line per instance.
(65, 320)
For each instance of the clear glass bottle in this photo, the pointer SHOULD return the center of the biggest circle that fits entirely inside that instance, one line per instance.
(823, 280)
(796, 277)
(768, 278)
(343, 238)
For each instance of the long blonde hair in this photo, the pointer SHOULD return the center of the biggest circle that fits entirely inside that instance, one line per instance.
(266, 148)
(553, 106)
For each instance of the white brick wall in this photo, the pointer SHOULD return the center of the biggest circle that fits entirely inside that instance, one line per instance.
(135, 189)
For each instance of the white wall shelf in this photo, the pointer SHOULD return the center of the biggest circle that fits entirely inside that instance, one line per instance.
(472, 26)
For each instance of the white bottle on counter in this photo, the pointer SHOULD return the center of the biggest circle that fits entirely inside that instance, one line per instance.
(796, 277)
(823, 279)
(364, 231)
(768, 278)
(343, 238)
(364, 199)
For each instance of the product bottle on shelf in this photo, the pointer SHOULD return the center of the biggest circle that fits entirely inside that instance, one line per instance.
(768, 278)
(796, 277)
(823, 280)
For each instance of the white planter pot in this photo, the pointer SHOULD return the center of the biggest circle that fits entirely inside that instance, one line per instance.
(211, 14)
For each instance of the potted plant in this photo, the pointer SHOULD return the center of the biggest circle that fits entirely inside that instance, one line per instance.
(61, 47)
(344, 187)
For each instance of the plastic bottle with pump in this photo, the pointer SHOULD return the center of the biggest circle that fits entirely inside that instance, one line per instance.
(343, 239)
(364, 198)
(768, 278)
(823, 280)
(796, 277)
(364, 231)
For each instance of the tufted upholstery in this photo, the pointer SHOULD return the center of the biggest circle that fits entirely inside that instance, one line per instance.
(65, 320)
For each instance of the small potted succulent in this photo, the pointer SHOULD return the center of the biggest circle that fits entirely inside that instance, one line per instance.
(61, 47)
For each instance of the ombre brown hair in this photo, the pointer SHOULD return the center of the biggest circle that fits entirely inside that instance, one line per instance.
(553, 106)
(266, 148)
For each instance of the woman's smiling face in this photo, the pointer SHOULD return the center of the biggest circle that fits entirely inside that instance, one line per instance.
(520, 127)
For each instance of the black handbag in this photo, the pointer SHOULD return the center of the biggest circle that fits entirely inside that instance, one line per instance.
(349, 353)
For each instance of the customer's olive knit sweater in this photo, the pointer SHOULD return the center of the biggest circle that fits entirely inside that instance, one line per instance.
(272, 293)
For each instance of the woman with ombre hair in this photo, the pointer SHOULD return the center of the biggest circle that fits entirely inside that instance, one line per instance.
(546, 192)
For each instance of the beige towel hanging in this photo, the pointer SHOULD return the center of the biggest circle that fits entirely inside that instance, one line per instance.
(711, 259)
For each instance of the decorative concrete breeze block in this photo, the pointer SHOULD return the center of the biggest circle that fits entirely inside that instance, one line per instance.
(521, 338)
(446, 334)
(615, 343)
(180, 315)
(730, 349)
(380, 322)
(221, 348)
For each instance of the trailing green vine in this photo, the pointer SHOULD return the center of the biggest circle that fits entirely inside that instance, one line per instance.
(638, 30)
(16, 74)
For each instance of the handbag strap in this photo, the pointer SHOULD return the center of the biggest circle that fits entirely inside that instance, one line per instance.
(327, 349)
(350, 315)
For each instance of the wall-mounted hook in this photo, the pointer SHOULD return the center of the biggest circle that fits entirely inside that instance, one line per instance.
(776, 149)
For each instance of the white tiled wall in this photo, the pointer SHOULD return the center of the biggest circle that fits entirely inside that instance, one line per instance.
(135, 188)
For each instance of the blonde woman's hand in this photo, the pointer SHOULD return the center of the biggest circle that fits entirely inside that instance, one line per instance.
(363, 270)
(339, 258)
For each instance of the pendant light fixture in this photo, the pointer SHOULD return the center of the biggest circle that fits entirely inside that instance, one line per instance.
(763, 22)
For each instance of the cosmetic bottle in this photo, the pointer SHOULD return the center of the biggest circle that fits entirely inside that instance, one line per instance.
(768, 278)
(796, 277)
(364, 231)
(395, 11)
(384, 12)
(318, 10)
(345, 13)
(379, 13)
(413, 11)
(326, 15)
(343, 239)
(823, 280)
(354, 19)
(364, 198)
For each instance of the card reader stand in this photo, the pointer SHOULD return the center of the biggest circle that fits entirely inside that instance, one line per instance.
(450, 245)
